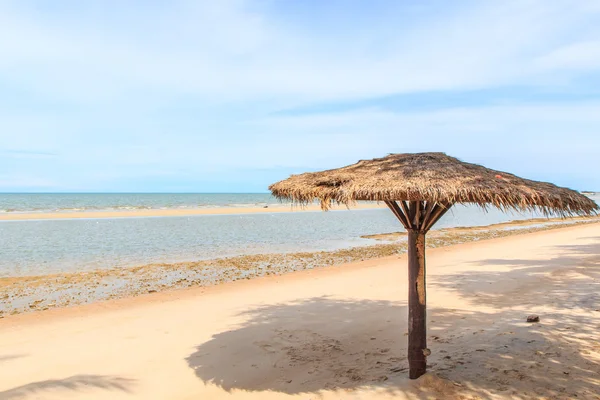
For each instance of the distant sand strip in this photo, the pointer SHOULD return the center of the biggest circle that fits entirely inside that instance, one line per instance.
(177, 212)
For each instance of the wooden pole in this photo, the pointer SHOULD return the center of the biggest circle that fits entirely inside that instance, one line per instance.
(417, 305)
(417, 220)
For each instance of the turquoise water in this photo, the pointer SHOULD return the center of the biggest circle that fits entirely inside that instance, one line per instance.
(65, 202)
(33, 247)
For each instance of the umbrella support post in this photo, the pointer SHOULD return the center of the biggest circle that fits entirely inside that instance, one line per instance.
(417, 305)
(417, 217)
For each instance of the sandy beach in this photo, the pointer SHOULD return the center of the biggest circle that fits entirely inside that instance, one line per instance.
(19, 216)
(273, 200)
(334, 333)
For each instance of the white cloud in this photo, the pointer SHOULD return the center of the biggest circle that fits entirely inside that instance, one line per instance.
(183, 89)
(227, 51)
(567, 131)
(583, 56)
(536, 141)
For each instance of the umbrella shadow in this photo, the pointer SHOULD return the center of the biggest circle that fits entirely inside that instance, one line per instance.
(530, 282)
(324, 344)
(306, 346)
(74, 383)
(499, 353)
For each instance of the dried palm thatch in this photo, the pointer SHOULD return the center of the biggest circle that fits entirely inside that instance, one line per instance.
(430, 177)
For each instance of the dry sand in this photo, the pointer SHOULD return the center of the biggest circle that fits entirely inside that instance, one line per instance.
(177, 212)
(335, 333)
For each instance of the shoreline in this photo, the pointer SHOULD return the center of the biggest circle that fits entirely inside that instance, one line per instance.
(23, 294)
(176, 212)
(333, 332)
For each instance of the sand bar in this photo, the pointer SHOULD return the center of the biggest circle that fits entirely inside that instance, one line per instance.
(16, 216)
(335, 333)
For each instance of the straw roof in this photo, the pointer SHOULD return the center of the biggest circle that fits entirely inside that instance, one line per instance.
(432, 177)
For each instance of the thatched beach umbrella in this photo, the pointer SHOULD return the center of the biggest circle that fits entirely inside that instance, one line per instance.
(420, 189)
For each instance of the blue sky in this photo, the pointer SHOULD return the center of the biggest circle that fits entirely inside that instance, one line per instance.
(231, 95)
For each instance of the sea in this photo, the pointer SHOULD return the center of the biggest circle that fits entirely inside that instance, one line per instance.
(39, 247)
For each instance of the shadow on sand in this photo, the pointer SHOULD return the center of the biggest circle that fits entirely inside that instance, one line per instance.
(307, 346)
(323, 343)
(74, 383)
(570, 280)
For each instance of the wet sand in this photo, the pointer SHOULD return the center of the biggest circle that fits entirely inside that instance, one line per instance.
(177, 212)
(33, 293)
(334, 333)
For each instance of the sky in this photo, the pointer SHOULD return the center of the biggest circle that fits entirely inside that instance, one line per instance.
(232, 95)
